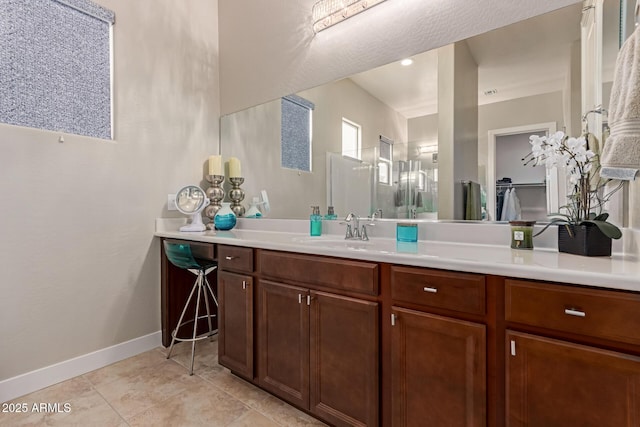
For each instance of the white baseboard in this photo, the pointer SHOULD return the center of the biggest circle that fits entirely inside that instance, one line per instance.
(49, 375)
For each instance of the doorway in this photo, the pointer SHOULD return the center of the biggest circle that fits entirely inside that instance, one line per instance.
(537, 187)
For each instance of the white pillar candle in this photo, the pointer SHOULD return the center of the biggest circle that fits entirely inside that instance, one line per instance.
(215, 165)
(234, 168)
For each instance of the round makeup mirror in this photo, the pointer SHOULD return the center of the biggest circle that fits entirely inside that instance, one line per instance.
(191, 200)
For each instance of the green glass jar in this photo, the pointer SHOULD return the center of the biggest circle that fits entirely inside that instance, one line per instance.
(522, 234)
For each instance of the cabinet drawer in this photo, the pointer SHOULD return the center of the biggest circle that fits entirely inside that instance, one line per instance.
(441, 289)
(611, 315)
(355, 276)
(235, 258)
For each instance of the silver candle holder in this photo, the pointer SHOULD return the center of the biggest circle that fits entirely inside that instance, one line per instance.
(215, 193)
(236, 194)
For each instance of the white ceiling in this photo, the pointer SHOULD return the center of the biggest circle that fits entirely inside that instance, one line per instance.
(524, 59)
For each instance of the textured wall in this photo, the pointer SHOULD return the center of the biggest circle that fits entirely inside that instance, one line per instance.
(79, 266)
(268, 49)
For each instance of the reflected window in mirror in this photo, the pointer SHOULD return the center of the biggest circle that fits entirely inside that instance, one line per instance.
(296, 135)
(351, 139)
(385, 160)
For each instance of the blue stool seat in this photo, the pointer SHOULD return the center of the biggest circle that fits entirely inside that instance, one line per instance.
(180, 255)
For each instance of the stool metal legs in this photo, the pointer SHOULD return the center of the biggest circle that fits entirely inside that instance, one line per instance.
(201, 286)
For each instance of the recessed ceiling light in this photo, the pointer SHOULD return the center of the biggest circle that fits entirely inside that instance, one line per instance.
(406, 62)
(490, 92)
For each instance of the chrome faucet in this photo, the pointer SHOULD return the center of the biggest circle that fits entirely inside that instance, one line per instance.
(353, 232)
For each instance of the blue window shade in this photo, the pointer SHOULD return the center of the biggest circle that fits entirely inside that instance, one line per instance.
(55, 65)
(296, 133)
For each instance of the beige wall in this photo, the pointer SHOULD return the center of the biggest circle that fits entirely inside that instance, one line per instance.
(517, 112)
(79, 266)
(253, 135)
(457, 127)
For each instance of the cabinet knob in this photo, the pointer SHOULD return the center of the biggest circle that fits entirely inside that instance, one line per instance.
(244, 284)
(229, 258)
(430, 289)
(574, 312)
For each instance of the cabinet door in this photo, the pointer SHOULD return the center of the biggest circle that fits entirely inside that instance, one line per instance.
(283, 341)
(555, 383)
(235, 346)
(344, 360)
(438, 370)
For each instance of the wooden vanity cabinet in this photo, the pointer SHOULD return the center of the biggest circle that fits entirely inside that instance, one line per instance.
(319, 349)
(438, 361)
(453, 348)
(235, 296)
(572, 356)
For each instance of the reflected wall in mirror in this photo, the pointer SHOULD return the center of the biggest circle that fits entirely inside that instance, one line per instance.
(527, 73)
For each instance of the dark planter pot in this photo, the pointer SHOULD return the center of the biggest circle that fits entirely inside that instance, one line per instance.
(585, 240)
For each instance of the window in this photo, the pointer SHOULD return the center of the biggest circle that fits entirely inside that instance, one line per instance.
(55, 65)
(296, 133)
(385, 160)
(351, 139)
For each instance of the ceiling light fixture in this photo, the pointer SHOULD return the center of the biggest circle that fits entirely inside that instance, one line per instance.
(329, 12)
(406, 62)
(425, 149)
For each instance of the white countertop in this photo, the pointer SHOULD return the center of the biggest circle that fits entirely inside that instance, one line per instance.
(615, 272)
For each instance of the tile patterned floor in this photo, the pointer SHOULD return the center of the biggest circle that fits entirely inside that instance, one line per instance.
(149, 390)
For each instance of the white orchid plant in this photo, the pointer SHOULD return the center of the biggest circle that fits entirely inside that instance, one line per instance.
(586, 201)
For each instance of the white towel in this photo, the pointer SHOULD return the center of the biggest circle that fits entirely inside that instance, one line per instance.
(505, 203)
(621, 153)
(512, 211)
(517, 209)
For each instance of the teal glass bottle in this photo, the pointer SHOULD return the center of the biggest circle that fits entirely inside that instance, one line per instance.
(331, 214)
(315, 226)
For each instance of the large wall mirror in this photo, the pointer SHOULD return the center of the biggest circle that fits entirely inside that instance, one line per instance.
(388, 139)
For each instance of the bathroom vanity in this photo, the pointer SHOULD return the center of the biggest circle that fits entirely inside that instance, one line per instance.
(448, 335)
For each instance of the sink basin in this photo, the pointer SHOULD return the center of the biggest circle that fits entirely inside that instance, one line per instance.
(340, 242)
(379, 245)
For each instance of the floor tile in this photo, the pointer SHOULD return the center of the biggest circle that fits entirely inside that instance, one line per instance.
(253, 419)
(125, 368)
(199, 404)
(147, 387)
(284, 414)
(247, 393)
(206, 355)
(71, 403)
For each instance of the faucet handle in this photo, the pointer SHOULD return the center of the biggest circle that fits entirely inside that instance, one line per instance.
(349, 231)
(363, 233)
(351, 217)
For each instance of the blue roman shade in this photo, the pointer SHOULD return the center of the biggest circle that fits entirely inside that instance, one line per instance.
(296, 133)
(55, 65)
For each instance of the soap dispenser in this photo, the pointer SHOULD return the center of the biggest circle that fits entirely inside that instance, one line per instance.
(331, 214)
(315, 227)
(253, 211)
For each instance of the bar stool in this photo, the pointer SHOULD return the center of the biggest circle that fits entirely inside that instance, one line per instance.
(180, 255)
